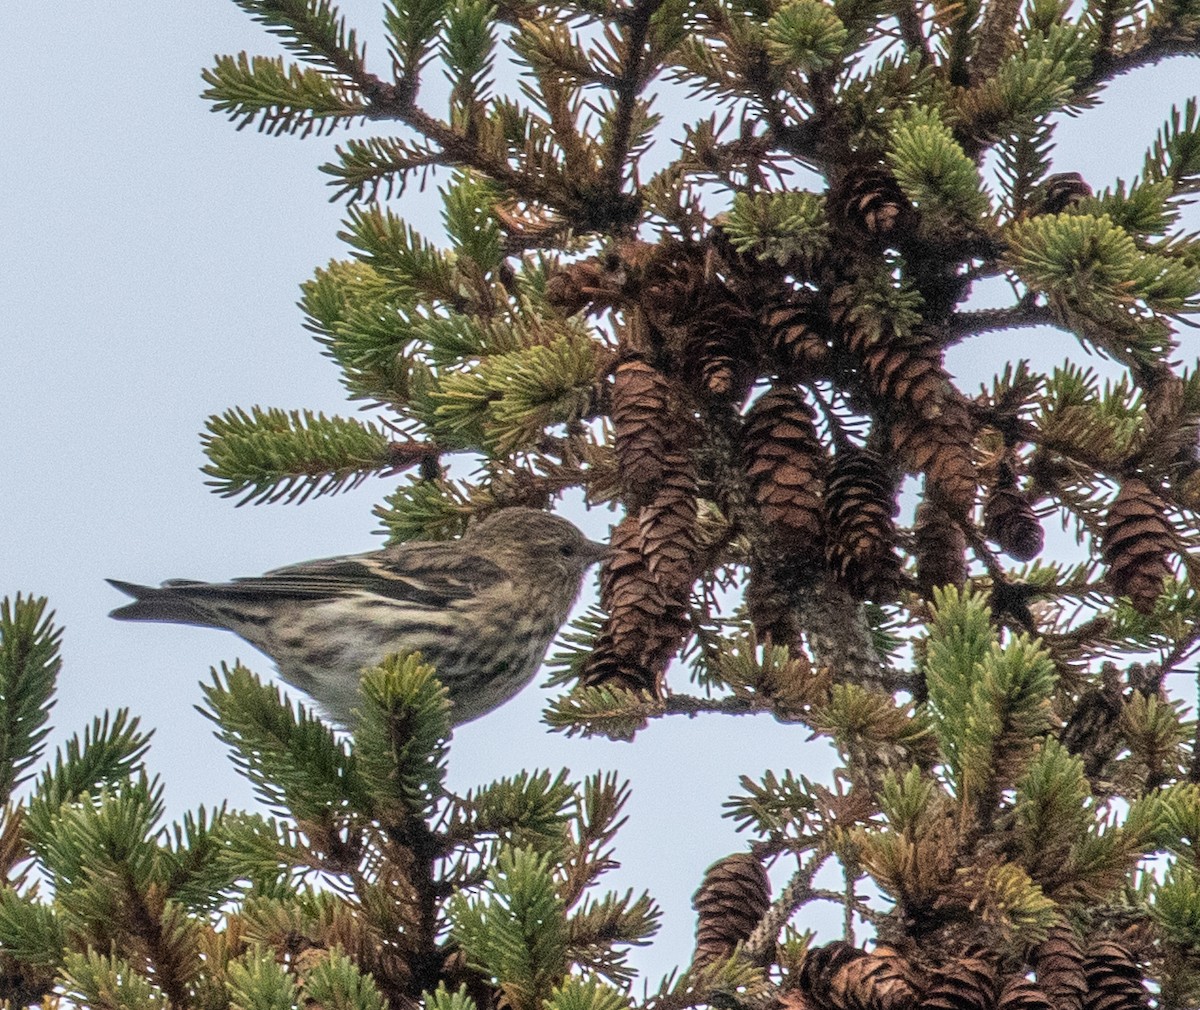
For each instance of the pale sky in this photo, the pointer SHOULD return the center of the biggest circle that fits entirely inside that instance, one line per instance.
(151, 263)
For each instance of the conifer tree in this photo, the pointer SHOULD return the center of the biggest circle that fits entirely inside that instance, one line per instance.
(746, 368)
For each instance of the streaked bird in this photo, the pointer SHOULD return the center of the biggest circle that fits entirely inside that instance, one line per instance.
(483, 609)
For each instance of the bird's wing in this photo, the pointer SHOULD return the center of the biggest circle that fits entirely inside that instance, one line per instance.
(429, 574)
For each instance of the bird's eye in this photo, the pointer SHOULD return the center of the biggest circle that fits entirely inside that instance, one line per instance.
(566, 550)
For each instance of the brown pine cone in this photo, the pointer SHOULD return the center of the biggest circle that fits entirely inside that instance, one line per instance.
(1062, 190)
(1137, 541)
(1114, 981)
(826, 972)
(860, 503)
(869, 198)
(966, 984)
(644, 430)
(644, 627)
(784, 462)
(1058, 962)
(668, 528)
(1009, 520)
(797, 338)
(940, 548)
(729, 904)
(1021, 994)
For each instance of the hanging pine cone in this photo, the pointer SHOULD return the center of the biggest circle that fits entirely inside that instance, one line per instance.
(1137, 541)
(1021, 994)
(608, 666)
(967, 984)
(1009, 520)
(726, 333)
(644, 626)
(1114, 981)
(860, 503)
(869, 198)
(783, 462)
(1058, 961)
(941, 449)
(940, 548)
(770, 596)
(668, 529)
(644, 430)
(732, 899)
(797, 339)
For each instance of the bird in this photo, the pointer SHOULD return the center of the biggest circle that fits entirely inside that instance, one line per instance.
(482, 609)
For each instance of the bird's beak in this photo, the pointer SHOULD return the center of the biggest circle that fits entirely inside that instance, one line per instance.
(596, 550)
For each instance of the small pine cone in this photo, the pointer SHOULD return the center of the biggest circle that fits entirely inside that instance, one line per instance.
(1021, 994)
(784, 461)
(643, 428)
(1009, 520)
(732, 899)
(1137, 541)
(826, 973)
(860, 503)
(668, 528)
(870, 199)
(1114, 981)
(798, 341)
(1062, 190)
(1058, 962)
(967, 984)
(940, 548)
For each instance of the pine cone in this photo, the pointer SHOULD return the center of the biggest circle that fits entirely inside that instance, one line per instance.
(1021, 994)
(860, 503)
(870, 199)
(731, 901)
(1114, 981)
(607, 666)
(941, 449)
(1009, 520)
(940, 548)
(644, 626)
(1058, 961)
(668, 528)
(825, 973)
(967, 984)
(726, 334)
(588, 283)
(798, 341)
(770, 606)
(783, 461)
(643, 428)
(1137, 540)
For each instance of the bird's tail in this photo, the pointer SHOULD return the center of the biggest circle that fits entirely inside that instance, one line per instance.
(165, 604)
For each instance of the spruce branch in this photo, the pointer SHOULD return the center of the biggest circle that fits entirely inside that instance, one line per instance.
(274, 455)
(29, 666)
(313, 30)
(282, 99)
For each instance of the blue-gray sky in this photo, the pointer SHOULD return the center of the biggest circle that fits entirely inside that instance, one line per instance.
(150, 263)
